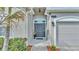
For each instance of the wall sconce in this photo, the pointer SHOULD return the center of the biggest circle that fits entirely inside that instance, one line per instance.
(52, 23)
(53, 16)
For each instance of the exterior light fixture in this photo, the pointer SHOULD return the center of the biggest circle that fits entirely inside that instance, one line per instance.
(52, 23)
(53, 16)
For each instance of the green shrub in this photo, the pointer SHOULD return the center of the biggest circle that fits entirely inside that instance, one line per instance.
(17, 44)
(53, 48)
(1, 42)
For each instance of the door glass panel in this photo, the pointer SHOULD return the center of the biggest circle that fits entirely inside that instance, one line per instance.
(39, 29)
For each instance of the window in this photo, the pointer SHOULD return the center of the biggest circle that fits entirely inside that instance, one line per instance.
(2, 31)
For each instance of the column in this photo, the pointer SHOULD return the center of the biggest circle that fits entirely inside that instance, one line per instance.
(49, 29)
(30, 26)
(54, 22)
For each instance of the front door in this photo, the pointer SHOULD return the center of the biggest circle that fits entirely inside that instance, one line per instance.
(39, 29)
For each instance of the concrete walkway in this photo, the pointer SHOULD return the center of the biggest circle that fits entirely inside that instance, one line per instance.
(39, 45)
(39, 48)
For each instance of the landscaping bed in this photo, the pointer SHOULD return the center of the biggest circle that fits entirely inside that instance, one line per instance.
(52, 48)
(15, 44)
(29, 47)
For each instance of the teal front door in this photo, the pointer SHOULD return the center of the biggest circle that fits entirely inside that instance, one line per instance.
(39, 29)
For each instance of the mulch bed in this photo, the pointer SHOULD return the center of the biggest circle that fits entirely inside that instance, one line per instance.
(29, 47)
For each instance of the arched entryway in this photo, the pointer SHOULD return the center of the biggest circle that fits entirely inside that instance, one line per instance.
(39, 32)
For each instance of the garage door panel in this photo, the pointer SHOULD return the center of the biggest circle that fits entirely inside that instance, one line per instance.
(68, 35)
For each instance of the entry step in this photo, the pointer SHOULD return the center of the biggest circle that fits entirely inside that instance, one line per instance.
(39, 48)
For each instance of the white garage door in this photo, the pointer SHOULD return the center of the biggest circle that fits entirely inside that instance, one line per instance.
(68, 35)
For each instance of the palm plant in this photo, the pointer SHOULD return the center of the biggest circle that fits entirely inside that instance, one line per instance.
(1, 8)
(19, 15)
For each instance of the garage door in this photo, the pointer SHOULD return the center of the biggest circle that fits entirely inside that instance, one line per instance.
(68, 35)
